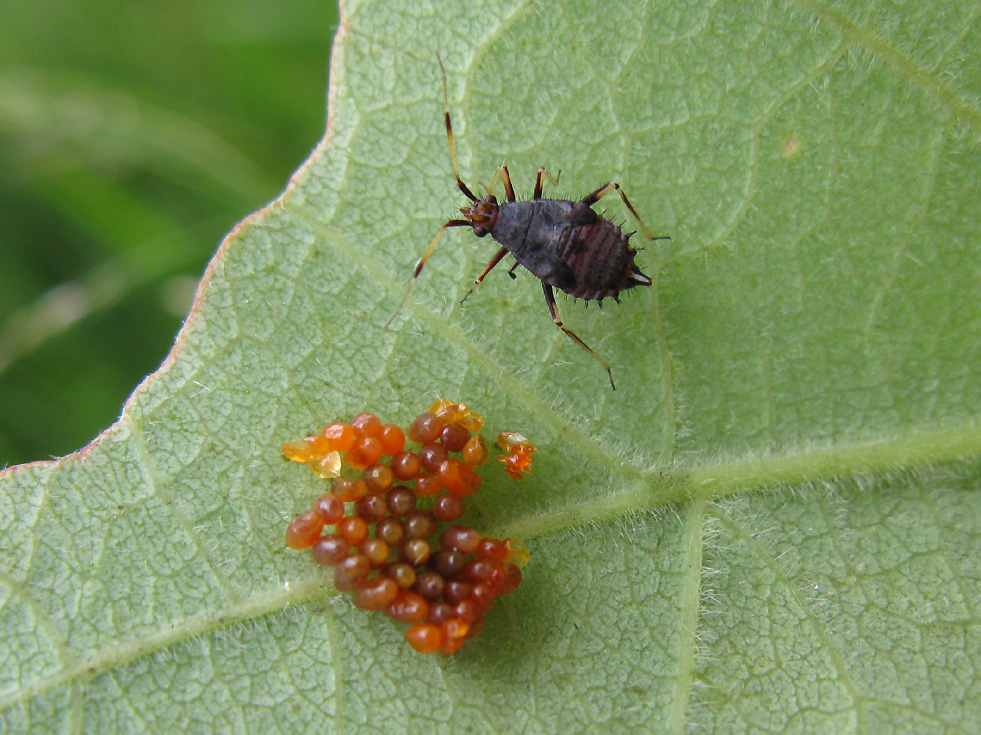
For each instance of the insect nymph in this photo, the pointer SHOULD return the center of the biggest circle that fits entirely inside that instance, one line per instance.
(563, 243)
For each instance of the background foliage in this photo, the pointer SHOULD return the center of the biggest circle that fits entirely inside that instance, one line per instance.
(774, 523)
(132, 138)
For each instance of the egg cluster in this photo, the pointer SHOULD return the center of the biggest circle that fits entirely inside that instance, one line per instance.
(392, 516)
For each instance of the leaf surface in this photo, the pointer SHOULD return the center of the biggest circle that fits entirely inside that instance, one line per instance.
(772, 524)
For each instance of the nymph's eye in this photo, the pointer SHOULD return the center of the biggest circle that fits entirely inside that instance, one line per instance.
(391, 523)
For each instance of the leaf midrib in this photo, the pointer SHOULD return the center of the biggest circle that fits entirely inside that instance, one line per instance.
(925, 449)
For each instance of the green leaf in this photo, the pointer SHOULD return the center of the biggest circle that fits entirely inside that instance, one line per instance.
(772, 524)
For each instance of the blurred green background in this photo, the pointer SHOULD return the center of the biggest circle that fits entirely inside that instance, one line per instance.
(133, 137)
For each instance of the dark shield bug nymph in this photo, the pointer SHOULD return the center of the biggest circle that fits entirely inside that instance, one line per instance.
(563, 243)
